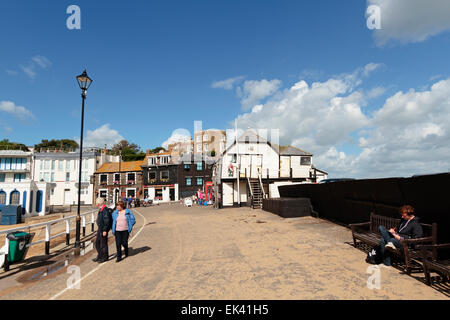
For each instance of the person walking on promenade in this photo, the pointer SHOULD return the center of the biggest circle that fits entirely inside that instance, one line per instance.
(123, 222)
(104, 225)
(409, 228)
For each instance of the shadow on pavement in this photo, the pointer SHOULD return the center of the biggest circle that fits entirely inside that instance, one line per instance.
(134, 251)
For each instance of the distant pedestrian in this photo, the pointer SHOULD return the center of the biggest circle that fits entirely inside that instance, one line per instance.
(104, 222)
(123, 222)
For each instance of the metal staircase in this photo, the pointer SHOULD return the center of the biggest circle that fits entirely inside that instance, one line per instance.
(257, 193)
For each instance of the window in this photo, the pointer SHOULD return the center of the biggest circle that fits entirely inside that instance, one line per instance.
(199, 148)
(53, 164)
(305, 161)
(189, 181)
(47, 165)
(205, 137)
(152, 175)
(41, 176)
(67, 176)
(103, 179)
(233, 158)
(117, 178)
(52, 179)
(152, 160)
(41, 166)
(199, 181)
(18, 177)
(103, 194)
(199, 166)
(199, 138)
(187, 166)
(131, 177)
(14, 197)
(47, 176)
(2, 177)
(164, 175)
(39, 201)
(67, 164)
(205, 147)
(2, 197)
(86, 164)
(60, 165)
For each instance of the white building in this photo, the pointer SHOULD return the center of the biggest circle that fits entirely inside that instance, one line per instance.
(252, 168)
(62, 170)
(17, 186)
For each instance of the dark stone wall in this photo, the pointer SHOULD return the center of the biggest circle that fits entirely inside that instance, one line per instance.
(348, 202)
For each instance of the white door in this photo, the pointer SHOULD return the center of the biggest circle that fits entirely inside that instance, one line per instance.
(245, 165)
(285, 167)
(227, 193)
(256, 165)
(67, 196)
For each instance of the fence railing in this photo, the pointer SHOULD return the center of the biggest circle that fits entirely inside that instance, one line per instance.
(48, 227)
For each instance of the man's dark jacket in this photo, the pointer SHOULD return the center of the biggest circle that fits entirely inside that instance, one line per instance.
(104, 219)
(410, 230)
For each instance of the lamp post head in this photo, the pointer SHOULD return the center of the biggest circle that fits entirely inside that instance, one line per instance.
(84, 81)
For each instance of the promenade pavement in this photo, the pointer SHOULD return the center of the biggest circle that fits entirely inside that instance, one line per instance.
(235, 253)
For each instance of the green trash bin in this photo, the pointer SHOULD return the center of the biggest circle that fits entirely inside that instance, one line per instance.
(17, 245)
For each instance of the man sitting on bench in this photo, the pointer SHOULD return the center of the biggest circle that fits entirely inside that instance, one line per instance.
(409, 228)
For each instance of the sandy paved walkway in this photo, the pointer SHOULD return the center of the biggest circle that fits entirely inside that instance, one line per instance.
(202, 253)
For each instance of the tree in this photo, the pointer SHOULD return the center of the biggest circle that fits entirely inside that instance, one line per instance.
(62, 144)
(130, 151)
(158, 149)
(7, 145)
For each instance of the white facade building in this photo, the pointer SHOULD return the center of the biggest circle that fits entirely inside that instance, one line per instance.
(252, 164)
(62, 170)
(17, 186)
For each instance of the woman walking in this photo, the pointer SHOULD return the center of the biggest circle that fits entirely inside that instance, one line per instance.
(123, 222)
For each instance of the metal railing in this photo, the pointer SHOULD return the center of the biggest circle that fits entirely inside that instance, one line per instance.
(48, 226)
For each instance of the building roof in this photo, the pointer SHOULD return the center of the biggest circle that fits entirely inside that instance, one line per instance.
(291, 151)
(14, 153)
(124, 167)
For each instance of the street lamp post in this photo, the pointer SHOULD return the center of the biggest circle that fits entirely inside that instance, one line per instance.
(84, 82)
(120, 175)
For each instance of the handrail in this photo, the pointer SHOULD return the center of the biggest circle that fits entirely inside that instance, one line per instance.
(262, 186)
(48, 235)
(250, 186)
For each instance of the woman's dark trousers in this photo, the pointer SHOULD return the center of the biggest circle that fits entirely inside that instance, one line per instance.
(121, 240)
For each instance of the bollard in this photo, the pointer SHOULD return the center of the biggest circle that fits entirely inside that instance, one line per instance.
(83, 223)
(6, 264)
(68, 232)
(47, 239)
(92, 221)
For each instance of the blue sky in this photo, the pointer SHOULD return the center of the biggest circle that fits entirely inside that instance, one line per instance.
(154, 62)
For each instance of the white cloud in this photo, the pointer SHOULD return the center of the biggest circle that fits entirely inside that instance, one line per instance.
(30, 68)
(253, 91)
(411, 20)
(178, 135)
(29, 71)
(12, 72)
(409, 134)
(42, 61)
(228, 83)
(18, 111)
(101, 136)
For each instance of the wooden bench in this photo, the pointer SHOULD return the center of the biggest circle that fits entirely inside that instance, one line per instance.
(368, 233)
(440, 266)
